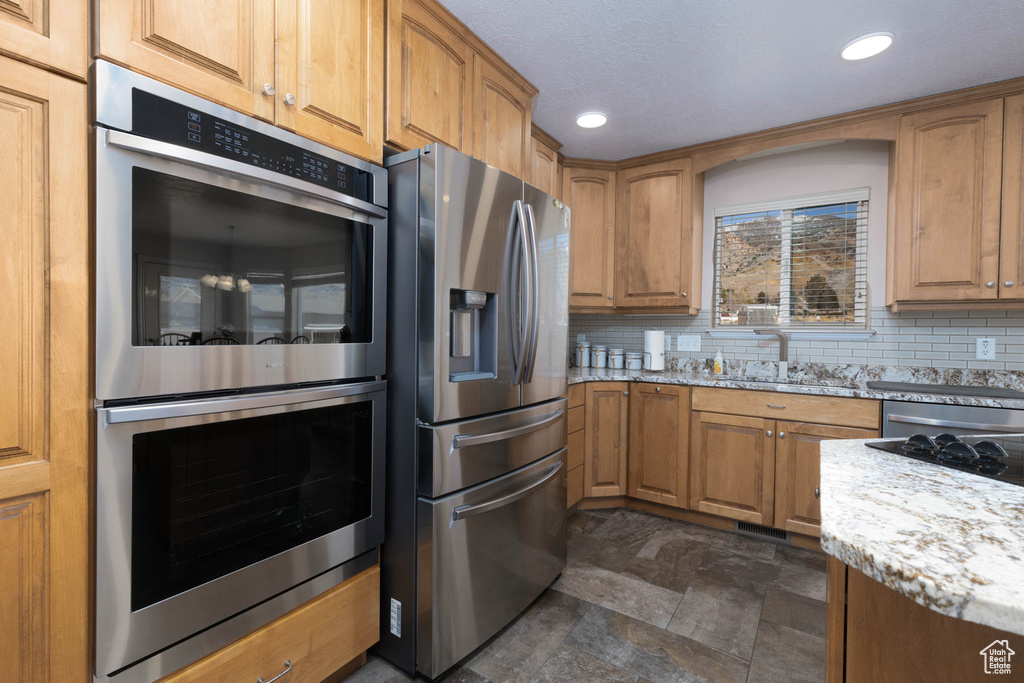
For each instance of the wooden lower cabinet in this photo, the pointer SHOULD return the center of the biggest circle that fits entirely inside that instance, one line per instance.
(659, 430)
(316, 639)
(732, 467)
(607, 420)
(798, 472)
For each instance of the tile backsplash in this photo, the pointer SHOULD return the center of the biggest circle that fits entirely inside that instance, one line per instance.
(920, 339)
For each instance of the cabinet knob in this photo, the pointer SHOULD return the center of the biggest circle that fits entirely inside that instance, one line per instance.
(625, 393)
(657, 390)
(268, 89)
(991, 284)
(782, 435)
(685, 295)
(610, 296)
(768, 433)
(1008, 283)
(817, 492)
(289, 99)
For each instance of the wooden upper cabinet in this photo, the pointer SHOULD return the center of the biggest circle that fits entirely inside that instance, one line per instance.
(330, 59)
(659, 428)
(1011, 245)
(732, 467)
(545, 171)
(947, 194)
(429, 79)
(49, 33)
(501, 120)
(658, 253)
(219, 49)
(798, 472)
(590, 195)
(607, 420)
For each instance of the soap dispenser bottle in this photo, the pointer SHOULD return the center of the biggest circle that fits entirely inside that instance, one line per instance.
(719, 363)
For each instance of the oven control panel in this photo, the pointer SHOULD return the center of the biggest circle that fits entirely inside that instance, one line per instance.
(160, 119)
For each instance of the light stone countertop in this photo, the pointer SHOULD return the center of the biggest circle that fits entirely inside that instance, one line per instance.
(825, 388)
(949, 540)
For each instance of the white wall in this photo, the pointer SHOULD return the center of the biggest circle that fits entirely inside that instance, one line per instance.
(842, 166)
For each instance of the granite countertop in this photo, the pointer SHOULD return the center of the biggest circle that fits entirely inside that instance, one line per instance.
(949, 540)
(825, 388)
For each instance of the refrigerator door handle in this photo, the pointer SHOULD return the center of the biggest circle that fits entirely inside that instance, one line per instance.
(465, 440)
(516, 252)
(464, 511)
(533, 297)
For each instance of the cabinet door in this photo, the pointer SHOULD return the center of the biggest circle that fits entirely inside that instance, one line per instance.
(659, 429)
(544, 169)
(45, 412)
(590, 195)
(656, 256)
(329, 60)
(798, 473)
(52, 33)
(948, 166)
(501, 120)
(429, 80)
(1011, 243)
(732, 467)
(219, 49)
(607, 419)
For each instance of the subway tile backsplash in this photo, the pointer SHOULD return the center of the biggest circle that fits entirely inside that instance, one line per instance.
(919, 339)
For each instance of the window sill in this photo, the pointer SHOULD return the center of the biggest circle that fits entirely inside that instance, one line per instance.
(796, 335)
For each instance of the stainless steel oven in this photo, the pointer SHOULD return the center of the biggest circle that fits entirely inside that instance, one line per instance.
(210, 512)
(229, 253)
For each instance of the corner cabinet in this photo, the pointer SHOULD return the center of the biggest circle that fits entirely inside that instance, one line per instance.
(606, 434)
(658, 237)
(659, 429)
(589, 191)
(315, 68)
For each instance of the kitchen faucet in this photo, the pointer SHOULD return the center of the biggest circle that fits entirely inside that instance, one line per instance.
(783, 350)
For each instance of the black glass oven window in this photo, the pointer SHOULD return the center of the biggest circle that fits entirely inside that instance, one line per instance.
(221, 267)
(210, 499)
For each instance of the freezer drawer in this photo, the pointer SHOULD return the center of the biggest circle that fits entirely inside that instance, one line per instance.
(483, 556)
(461, 454)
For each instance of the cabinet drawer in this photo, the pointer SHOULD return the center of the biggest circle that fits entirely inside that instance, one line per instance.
(575, 486)
(846, 412)
(575, 422)
(577, 394)
(576, 444)
(317, 639)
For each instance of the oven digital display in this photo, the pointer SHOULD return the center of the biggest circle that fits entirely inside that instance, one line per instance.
(167, 121)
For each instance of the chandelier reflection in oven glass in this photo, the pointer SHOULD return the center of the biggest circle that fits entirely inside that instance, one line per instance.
(227, 282)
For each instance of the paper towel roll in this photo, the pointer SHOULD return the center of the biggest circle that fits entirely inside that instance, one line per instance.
(654, 350)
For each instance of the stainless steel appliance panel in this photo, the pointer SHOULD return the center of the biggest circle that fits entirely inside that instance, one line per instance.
(483, 556)
(124, 635)
(471, 204)
(906, 418)
(461, 454)
(545, 378)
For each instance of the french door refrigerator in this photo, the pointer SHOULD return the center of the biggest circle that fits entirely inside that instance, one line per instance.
(477, 332)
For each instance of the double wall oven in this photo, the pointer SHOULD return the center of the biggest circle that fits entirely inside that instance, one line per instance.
(240, 354)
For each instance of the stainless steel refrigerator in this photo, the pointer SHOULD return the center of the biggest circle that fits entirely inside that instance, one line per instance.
(478, 266)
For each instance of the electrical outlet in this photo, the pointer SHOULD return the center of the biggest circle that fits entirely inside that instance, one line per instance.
(985, 348)
(688, 342)
(581, 338)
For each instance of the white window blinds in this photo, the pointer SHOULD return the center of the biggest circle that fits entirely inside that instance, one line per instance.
(793, 263)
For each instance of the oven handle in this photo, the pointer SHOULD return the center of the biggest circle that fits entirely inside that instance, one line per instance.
(956, 424)
(208, 406)
(136, 143)
(464, 511)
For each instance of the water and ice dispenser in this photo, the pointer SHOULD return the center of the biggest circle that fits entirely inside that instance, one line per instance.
(474, 335)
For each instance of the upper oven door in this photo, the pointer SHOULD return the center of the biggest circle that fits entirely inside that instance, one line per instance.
(214, 275)
(207, 507)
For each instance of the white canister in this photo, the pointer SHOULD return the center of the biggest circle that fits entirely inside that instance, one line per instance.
(599, 354)
(616, 359)
(654, 350)
(583, 354)
(633, 360)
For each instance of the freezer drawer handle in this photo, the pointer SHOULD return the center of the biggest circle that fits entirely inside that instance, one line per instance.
(464, 440)
(464, 511)
(955, 424)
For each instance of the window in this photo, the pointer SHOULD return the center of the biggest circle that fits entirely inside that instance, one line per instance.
(793, 263)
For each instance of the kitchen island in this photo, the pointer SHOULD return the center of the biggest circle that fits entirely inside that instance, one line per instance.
(926, 568)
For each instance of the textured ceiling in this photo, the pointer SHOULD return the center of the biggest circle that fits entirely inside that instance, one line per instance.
(675, 73)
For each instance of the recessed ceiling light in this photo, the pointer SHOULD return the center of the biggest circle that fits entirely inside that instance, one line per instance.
(866, 46)
(591, 119)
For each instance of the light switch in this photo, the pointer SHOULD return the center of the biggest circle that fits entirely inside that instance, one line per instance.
(688, 342)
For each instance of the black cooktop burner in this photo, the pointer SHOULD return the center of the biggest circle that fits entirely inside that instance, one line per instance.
(995, 457)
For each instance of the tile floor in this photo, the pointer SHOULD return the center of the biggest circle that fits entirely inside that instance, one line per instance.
(648, 599)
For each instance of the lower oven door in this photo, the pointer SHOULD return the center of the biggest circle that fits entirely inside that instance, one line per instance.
(206, 508)
(484, 555)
